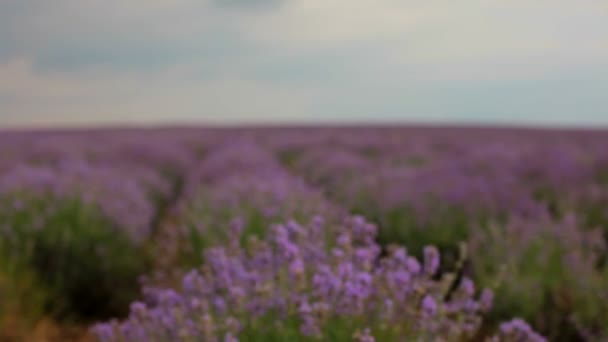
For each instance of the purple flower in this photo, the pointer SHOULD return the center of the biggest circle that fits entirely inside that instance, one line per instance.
(429, 306)
(517, 329)
(413, 265)
(486, 299)
(309, 326)
(228, 337)
(467, 286)
(431, 260)
(296, 267)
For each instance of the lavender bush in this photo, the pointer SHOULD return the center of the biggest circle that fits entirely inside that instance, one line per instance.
(222, 191)
(290, 287)
(85, 266)
(548, 273)
(529, 205)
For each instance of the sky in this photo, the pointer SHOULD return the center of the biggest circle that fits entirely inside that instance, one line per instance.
(154, 62)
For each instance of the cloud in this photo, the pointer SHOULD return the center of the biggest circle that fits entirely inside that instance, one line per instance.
(102, 60)
(249, 4)
(446, 38)
(568, 99)
(55, 99)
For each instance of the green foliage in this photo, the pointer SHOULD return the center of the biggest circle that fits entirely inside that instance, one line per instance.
(551, 198)
(534, 280)
(272, 327)
(207, 223)
(448, 227)
(21, 297)
(601, 176)
(206, 227)
(289, 157)
(412, 161)
(85, 264)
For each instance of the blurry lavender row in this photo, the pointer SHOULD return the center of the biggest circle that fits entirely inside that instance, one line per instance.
(552, 272)
(483, 172)
(490, 174)
(529, 207)
(123, 193)
(127, 174)
(239, 180)
(154, 149)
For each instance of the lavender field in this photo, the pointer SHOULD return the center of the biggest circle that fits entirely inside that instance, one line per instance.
(304, 234)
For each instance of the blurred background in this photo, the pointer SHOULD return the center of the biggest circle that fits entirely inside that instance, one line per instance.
(441, 213)
(75, 63)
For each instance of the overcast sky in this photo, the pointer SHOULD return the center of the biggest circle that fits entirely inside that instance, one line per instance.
(90, 62)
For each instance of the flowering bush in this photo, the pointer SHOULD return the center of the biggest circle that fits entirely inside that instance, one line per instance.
(85, 265)
(291, 286)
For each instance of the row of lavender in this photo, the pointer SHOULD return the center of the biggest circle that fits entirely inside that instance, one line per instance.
(420, 187)
(531, 207)
(266, 281)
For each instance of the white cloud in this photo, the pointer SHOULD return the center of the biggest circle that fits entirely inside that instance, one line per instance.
(54, 99)
(452, 39)
(373, 56)
(446, 39)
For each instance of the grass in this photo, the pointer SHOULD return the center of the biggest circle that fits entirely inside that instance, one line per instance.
(85, 266)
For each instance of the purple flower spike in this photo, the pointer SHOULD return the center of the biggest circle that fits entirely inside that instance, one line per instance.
(431, 260)
(429, 306)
